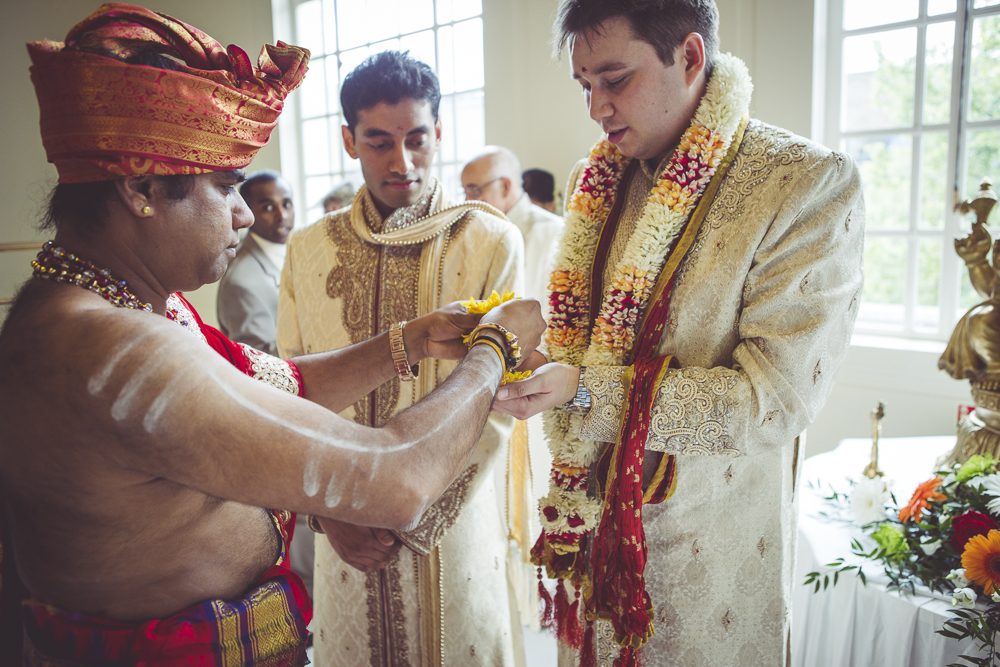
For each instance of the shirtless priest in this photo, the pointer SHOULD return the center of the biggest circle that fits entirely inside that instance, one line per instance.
(399, 251)
(140, 445)
(726, 262)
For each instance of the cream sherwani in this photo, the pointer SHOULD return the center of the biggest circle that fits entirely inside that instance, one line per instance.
(760, 317)
(339, 287)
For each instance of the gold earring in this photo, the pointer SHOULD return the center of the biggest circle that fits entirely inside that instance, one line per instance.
(146, 210)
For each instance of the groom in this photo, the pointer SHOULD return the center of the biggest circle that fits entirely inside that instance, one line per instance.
(703, 299)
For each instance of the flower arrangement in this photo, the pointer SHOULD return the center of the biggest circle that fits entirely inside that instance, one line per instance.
(947, 537)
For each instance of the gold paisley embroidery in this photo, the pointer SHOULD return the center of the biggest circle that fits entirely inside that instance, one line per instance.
(271, 370)
(692, 413)
(184, 317)
(440, 516)
(608, 396)
(387, 642)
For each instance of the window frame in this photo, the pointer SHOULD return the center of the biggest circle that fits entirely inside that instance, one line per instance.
(958, 128)
(291, 121)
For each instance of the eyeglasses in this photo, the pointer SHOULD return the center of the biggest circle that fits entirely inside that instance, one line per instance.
(475, 190)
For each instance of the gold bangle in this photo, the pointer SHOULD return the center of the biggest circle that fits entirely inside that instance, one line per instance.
(398, 350)
(496, 348)
(513, 348)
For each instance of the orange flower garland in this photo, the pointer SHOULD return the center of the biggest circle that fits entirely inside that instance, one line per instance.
(981, 560)
(920, 500)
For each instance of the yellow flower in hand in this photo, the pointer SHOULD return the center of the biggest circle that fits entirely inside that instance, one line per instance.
(483, 306)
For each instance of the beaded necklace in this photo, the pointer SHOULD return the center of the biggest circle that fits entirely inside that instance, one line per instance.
(54, 263)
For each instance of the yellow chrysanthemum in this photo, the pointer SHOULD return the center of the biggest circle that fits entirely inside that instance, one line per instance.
(981, 560)
(483, 306)
(514, 376)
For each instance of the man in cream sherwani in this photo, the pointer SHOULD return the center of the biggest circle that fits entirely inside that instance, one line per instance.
(733, 247)
(401, 248)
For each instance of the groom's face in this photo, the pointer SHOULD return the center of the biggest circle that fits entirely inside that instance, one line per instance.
(643, 104)
(396, 144)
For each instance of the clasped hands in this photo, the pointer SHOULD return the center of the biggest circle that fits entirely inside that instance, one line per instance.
(437, 335)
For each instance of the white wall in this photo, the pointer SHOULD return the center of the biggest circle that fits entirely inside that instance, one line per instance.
(25, 176)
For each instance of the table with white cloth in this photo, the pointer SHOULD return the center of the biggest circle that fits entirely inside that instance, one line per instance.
(852, 624)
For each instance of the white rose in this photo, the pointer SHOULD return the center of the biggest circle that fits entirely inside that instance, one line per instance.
(930, 547)
(958, 576)
(963, 597)
(868, 500)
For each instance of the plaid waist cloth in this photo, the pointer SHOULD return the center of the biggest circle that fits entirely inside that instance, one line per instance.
(265, 629)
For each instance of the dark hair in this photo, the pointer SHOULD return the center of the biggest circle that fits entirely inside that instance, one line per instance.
(262, 176)
(388, 77)
(84, 205)
(539, 184)
(663, 24)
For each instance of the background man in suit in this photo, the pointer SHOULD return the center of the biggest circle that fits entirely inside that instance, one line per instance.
(248, 294)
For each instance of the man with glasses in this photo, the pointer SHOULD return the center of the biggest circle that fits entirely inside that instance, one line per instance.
(399, 250)
(494, 176)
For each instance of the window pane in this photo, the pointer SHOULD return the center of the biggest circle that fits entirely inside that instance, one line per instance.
(463, 9)
(336, 141)
(934, 188)
(444, 11)
(332, 85)
(982, 159)
(937, 92)
(313, 95)
(387, 45)
(448, 129)
(925, 320)
(315, 147)
(864, 13)
(879, 76)
(351, 59)
(421, 46)
(470, 124)
(446, 60)
(383, 17)
(986, 3)
(937, 7)
(415, 15)
(469, 55)
(309, 26)
(330, 26)
(885, 275)
(352, 23)
(985, 77)
(885, 165)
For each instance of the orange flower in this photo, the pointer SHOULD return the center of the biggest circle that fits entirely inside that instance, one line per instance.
(981, 560)
(920, 500)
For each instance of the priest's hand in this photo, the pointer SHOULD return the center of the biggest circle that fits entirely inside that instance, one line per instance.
(549, 386)
(363, 548)
(438, 334)
(523, 318)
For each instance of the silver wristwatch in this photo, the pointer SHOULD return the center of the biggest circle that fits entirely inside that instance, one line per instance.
(579, 404)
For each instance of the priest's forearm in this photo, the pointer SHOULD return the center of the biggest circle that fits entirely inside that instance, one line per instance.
(339, 378)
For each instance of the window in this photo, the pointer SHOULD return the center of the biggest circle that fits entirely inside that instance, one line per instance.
(914, 91)
(445, 34)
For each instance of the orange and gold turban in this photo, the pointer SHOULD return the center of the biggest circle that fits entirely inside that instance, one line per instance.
(102, 118)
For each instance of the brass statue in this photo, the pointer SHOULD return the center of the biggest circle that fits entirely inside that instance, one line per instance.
(973, 351)
(872, 471)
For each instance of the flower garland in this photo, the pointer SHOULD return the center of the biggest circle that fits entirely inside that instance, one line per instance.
(568, 512)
